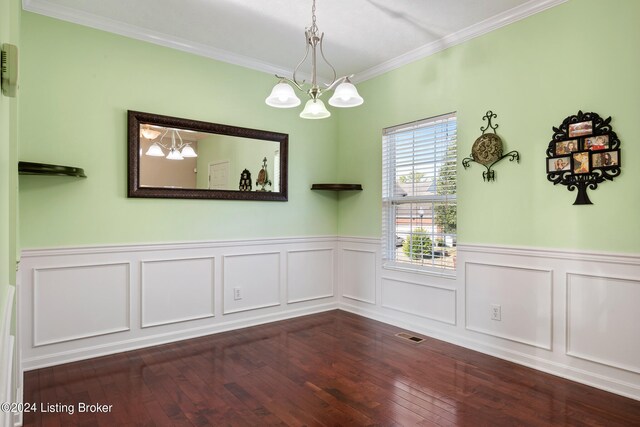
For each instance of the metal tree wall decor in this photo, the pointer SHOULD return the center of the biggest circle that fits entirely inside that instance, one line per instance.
(583, 152)
(487, 150)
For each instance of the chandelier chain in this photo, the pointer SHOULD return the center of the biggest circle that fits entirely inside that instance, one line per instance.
(314, 26)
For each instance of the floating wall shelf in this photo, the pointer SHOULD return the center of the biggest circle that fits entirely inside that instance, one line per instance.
(337, 187)
(30, 168)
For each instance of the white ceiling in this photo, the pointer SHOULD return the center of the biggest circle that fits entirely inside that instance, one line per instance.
(362, 37)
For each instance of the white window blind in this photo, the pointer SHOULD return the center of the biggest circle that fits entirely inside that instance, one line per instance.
(276, 171)
(419, 194)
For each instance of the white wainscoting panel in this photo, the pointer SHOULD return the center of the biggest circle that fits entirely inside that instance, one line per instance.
(524, 296)
(309, 274)
(431, 302)
(359, 275)
(596, 306)
(176, 290)
(548, 300)
(74, 302)
(569, 313)
(70, 299)
(257, 276)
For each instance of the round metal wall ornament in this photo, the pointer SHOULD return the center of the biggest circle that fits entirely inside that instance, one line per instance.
(487, 150)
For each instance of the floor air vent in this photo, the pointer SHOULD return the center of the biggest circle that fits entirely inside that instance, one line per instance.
(409, 337)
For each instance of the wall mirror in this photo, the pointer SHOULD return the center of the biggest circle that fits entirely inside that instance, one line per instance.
(178, 158)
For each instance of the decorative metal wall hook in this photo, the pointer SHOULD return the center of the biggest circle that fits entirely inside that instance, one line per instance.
(487, 149)
(490, 115)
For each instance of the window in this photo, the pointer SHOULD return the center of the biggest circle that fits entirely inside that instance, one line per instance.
(419, 194)
(276, 171)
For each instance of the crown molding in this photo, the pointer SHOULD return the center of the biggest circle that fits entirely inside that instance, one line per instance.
(68, 14)
(476, 30)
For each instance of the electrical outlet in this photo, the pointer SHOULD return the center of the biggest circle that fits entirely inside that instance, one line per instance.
(236, 294)
(496, 312)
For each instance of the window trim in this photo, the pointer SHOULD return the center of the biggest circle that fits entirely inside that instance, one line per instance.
(421, 269)
(389, 199)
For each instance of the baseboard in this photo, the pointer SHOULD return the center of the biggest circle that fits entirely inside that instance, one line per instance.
(18, 417)
(564, 371)
(165, 338)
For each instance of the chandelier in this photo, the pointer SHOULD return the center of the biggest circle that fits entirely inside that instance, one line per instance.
(345, 94)
(176, 151)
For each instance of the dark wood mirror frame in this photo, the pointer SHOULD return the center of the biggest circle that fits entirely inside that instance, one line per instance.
(136, 118)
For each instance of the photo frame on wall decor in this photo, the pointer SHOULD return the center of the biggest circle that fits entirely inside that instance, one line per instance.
(566, 147)
(584, 152)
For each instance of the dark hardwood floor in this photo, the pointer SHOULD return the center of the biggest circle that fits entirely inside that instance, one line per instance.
(332, 368)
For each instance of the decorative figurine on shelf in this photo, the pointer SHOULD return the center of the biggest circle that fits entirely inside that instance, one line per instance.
(487, 150)
(584, 152)
(245, 180)
(263, 176)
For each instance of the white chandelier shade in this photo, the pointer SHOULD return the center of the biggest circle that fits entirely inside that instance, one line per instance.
(315, 109)
(149, 133)
(188, 151)
(345, 96)
(174, 154)
(155, 150)
(177, 150)
(283, 94)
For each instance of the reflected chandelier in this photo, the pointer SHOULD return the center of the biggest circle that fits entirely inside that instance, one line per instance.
(177, 151)
(345, 94)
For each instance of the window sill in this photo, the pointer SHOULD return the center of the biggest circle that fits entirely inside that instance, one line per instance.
(422, 270)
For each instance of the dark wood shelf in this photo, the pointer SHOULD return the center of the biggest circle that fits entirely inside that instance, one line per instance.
(30, 168)
(337, 187)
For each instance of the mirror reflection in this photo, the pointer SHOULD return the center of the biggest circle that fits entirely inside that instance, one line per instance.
(179, 158)
(170, 157)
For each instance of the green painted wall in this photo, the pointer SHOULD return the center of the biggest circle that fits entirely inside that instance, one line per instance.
(579, 55)
(9, 33)
(77, 85)
(5, 161)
